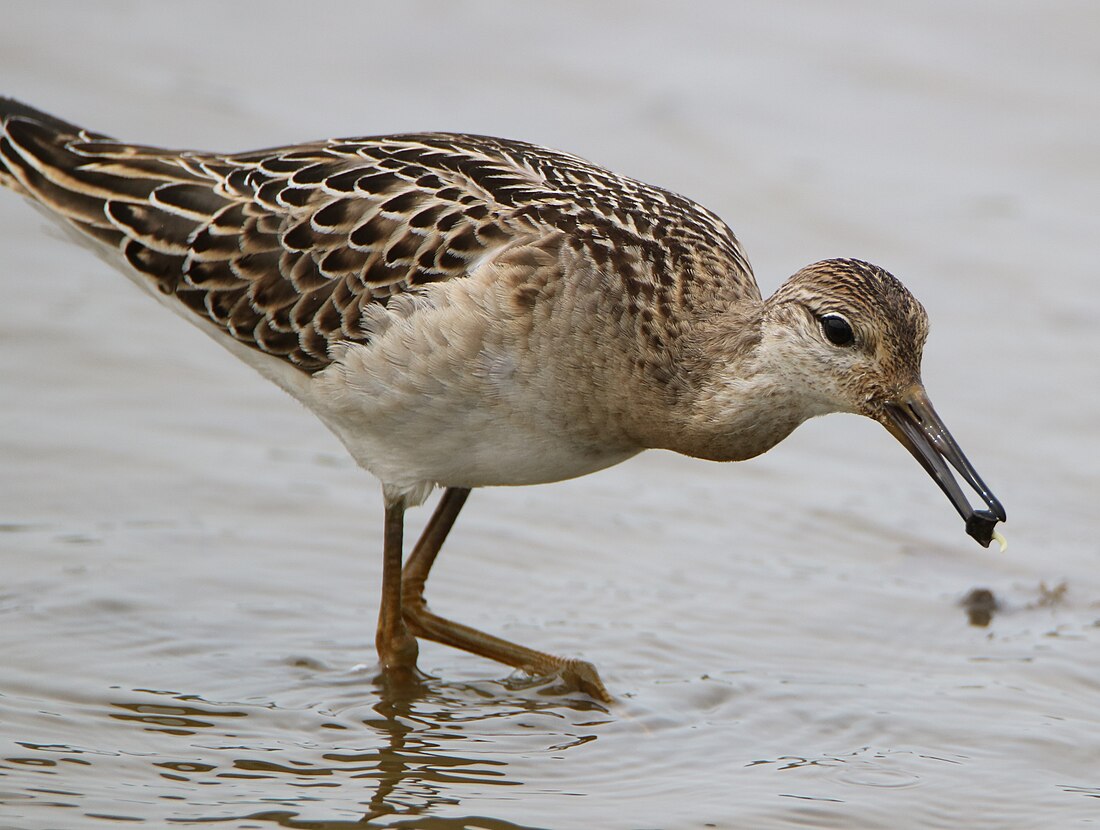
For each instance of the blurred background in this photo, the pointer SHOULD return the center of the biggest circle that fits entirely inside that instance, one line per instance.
(184, 548)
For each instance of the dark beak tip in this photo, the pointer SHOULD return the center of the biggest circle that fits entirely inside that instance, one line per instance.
(980, 526)
(914, 422)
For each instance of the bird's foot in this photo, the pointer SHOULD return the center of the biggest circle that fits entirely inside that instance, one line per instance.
(397, 655)
(401, 682)
(581, 676)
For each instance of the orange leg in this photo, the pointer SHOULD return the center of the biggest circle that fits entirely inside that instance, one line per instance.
(423, 623)
(397, 649)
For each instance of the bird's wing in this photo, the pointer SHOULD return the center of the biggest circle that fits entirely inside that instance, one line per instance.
(285, 248)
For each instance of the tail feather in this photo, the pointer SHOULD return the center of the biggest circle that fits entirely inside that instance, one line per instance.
(12, 114)
(66, 168)
(184, 222)
(10, 108)
(105, 189)
(36, 161)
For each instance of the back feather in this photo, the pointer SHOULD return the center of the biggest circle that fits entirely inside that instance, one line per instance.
(285, 249)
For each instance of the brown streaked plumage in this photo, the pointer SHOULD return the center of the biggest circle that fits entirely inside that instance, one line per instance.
(465, 311)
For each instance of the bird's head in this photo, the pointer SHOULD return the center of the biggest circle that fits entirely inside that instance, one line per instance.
(850, 336)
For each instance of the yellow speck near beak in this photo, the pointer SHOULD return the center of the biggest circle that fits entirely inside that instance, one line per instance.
(1000, 540)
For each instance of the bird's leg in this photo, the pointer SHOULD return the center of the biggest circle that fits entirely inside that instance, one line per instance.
(579, 674)
(397, 649)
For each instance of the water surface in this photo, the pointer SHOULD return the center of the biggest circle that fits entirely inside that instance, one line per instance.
(190, 562)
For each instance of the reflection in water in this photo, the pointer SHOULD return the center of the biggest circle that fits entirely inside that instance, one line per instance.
(283, 819)
(398, 766)
(413, 770)
(172, 719)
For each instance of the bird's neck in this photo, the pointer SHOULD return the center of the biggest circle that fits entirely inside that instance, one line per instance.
(737, 401)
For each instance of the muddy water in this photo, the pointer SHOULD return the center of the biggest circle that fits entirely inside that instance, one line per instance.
(189, 562)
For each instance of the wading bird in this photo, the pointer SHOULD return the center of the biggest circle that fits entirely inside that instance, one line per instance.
(464, 311)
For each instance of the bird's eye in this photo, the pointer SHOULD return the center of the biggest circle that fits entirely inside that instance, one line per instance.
(838, 331)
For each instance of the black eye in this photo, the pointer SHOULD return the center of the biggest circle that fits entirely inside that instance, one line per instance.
(837, 330)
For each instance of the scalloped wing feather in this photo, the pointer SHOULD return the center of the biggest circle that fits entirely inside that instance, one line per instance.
(288, 249)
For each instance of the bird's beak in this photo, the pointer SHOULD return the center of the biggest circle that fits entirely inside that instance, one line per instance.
(912, 420)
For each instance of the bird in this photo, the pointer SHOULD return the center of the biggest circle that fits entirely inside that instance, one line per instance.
(463, 311)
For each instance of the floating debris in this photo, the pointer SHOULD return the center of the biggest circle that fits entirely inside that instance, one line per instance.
(980, 605)
(1051, 596)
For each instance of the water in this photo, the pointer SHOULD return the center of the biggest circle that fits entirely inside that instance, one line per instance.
(190, 563)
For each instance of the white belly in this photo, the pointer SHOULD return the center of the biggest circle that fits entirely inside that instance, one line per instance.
(452, 391)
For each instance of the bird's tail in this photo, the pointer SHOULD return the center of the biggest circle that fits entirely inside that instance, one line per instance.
(105, 189)
(186, 227)
(40, 157)
(10, 109)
